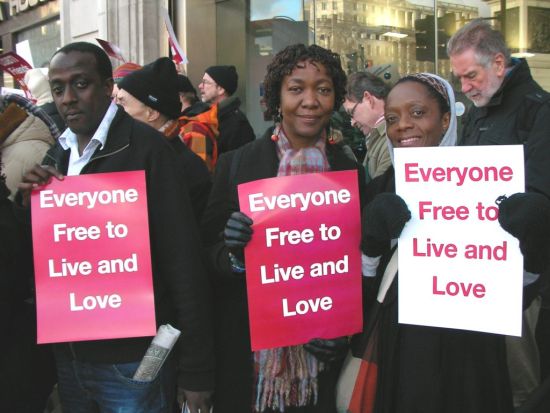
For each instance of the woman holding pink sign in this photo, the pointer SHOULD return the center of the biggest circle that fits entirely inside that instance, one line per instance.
(304, 85)
(409, 368)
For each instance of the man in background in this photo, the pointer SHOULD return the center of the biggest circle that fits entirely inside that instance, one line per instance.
(217, 87)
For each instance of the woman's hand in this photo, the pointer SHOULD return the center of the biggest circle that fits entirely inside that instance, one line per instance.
(383, 220)
(237, 233)
(526, 216)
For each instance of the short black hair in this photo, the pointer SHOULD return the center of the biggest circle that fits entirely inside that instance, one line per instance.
(442, 102)
(103, 64)
(286, 61)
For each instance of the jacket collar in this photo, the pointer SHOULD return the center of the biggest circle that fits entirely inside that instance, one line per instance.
(228, 105)
(115, 142)
(518, 74)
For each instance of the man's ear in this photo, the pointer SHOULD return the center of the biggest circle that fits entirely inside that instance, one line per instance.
(499, 62)
(368, 97)
(152, 114)
(221, 92)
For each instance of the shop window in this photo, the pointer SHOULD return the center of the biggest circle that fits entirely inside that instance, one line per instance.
(44, 40)
(372, 31)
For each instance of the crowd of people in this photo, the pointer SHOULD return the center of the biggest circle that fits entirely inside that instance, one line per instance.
(195, 150)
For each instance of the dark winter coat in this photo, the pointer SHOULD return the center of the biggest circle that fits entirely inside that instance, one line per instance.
(234, 378)
(430, 369)
(518, 113)
(198, 178)
(235, 130)
(182, 291)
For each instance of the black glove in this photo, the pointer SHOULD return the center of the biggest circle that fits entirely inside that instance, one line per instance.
(383, 220)
(237, 233)
(328, 350)
(526, 216)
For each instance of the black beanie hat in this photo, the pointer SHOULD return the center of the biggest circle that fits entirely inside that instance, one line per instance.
(184, 85)
(225, 76)
(156, 85)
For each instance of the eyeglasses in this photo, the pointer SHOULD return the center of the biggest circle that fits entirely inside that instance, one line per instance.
(352, 111)
(206, 82)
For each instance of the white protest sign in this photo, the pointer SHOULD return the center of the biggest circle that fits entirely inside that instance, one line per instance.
(457, 267)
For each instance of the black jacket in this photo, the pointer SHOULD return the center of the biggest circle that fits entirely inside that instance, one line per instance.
(430, 369)
(199, 180)
(234, 377)
(235, 130)
(518, 113)
(182, 291)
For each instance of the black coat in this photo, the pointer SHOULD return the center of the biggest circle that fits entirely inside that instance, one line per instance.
(182, 291)
(518, 113)
(235, 130)
(234, 378)
(430, 369)
(198, 178)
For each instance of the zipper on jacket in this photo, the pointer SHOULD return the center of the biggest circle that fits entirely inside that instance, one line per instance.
(103, 156)
(73, 353)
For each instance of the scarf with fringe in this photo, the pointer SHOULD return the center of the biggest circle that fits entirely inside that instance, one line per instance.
(287, 376)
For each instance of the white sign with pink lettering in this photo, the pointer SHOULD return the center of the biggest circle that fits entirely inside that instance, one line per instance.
(457, 267)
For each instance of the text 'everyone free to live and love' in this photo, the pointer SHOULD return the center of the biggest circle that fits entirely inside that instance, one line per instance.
(301, 202)
(303, 263)
(477, 211)
(109, 230)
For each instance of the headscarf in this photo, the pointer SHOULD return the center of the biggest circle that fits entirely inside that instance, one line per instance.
(445, 89)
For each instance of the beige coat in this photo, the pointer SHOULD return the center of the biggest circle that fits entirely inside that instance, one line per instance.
(378, 157)
(24, 147)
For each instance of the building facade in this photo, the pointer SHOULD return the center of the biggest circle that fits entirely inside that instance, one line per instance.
(394, 36)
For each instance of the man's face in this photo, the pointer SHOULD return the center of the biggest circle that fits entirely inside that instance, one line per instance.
(133, 107)
(363, 114)
(81, 96)
(479, 82)
(210, 91)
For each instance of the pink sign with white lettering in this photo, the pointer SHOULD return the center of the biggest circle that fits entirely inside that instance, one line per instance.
(92, 258)
(303, 264)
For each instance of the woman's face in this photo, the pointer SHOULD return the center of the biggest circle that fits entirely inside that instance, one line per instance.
(413, 117)
(307, 102)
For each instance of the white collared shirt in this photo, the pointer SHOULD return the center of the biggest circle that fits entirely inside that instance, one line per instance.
(68, 140)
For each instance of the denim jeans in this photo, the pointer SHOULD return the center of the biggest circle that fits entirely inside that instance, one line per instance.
(109, 388)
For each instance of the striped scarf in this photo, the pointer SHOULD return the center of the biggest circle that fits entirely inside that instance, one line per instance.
(287, 376)
(34, 110)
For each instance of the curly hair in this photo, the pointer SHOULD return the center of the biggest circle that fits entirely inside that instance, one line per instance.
(286, 61)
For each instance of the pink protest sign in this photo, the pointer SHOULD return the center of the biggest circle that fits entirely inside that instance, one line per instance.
(303, 264)
(16, 66)
(92, 259)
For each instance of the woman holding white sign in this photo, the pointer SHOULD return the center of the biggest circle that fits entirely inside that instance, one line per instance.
(304, 85)
(409, 368)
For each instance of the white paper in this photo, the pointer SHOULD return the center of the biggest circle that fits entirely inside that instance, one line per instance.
(23, 49)
(479, 294)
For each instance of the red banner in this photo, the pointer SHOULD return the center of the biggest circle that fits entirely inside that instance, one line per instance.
(303, 264)
(92, 258)
(16, 66)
